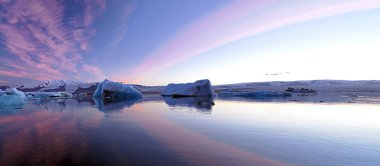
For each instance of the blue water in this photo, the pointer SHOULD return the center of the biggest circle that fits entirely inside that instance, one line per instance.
(186, 132)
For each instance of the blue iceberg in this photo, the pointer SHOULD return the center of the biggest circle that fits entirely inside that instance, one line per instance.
(11, 98)
(116, 91)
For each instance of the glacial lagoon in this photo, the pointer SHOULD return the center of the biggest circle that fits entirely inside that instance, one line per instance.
(186, 132)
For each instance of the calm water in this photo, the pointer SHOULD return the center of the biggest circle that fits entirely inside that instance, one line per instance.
(183, 132)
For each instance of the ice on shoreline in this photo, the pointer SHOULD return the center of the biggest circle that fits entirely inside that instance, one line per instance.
(46, 95)
(254, 95)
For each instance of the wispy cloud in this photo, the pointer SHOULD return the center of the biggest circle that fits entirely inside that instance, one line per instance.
(238, 20)
(121, 29)
(43, 43)
(92, 9)
(94, 71)
(4, 82)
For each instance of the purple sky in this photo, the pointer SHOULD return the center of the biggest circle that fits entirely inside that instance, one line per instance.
(157, 42)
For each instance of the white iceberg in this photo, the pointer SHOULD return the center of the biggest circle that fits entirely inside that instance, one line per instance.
(197, 89)
(116, 91)
(14, 92)
(2, 92)
(12, 98)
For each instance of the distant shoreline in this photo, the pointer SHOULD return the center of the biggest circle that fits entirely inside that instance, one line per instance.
(341, 91)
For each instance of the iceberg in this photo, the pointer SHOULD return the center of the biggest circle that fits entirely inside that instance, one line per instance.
(11, 98)
(116, 91)
(2, 92)
(200, 88)
(99, 88)
(14, 92)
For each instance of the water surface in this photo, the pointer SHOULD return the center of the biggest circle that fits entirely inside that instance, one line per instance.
(186, 132)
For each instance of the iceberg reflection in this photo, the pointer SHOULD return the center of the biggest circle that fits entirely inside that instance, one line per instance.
(106, 105)
(201, 103)
(11, 99)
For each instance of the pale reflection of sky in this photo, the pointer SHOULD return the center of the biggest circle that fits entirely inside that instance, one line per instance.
(333, 115)
(231, 133)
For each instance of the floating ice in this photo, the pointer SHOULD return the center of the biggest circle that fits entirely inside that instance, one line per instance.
(197, 89)
(11, 98)
(116, 91)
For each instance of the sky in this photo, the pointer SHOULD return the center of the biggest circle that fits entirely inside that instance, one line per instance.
(163, 41)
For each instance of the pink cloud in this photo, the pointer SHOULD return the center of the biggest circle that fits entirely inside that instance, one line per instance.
(92, 9)
(14, 69)
(22, 74)
(3, 82)
(44, 46)
(238, 20)
(93, 71)
(121, 29)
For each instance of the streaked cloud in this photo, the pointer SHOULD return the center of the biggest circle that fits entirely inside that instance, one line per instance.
(236, 21)
(3, 82)
(92, 9)
(43, 43)
(135, 41)
(121, 27)
(94, 71)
